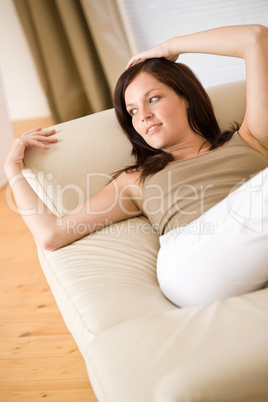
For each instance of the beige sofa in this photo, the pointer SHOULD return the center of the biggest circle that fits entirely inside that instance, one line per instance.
(138, 347)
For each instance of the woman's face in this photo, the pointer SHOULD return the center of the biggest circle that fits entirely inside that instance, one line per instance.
(159, 115)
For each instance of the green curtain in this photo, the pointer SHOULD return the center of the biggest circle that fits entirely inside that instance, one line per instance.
(67, 62)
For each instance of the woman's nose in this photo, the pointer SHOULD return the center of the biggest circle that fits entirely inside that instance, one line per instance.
(146, 114)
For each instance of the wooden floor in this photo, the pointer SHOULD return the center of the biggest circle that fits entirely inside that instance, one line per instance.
(38, 356)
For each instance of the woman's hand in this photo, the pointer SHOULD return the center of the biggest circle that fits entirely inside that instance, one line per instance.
(166, 50)
(35, 137)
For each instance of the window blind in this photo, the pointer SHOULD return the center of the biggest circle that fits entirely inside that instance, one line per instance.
(150, 22)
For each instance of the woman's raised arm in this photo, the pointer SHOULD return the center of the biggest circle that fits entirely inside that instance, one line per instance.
(249, 42)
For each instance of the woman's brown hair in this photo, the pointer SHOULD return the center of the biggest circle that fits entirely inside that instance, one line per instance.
(201, 116)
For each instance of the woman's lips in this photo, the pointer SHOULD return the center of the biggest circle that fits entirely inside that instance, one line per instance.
(152, 128)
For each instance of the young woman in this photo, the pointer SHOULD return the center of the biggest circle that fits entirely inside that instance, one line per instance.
(185, 166)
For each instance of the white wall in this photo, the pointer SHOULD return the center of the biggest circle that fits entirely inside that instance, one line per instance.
(24, 96)
(6, 134)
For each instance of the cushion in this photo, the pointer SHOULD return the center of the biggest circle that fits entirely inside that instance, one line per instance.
(229, 257)
(217, 352)
(80, 164)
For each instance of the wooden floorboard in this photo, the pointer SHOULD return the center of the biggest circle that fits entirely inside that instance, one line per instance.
(40, 390)
(38, 357)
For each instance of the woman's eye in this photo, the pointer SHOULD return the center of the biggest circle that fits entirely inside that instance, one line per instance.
(153, 99)
(132, 112)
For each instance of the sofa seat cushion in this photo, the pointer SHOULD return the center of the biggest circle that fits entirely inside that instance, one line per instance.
(217, 352)
(107, 277)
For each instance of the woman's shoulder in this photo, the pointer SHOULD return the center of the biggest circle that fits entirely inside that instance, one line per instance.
(130, 185)
(129, 179)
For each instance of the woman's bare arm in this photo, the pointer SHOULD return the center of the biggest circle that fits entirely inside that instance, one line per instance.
(26, 199)
(114, 203)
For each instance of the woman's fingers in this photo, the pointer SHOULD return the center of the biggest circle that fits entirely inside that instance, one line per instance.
(138, 58)
(40, 131)
(166, 50)
(27, 142)
(37, 137)
(147, 54)
(134, 60)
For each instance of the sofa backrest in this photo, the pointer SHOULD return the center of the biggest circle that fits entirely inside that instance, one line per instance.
(91, 148)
